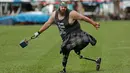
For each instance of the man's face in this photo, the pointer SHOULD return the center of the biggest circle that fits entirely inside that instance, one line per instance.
(63, 9)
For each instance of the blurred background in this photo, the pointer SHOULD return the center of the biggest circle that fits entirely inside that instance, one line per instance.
(38, 11)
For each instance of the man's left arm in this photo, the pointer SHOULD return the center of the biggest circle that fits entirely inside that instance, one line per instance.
(75, 15)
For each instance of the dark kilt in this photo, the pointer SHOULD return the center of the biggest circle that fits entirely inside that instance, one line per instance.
(76, 41)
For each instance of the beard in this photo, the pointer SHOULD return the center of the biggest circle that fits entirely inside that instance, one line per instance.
(62, 12)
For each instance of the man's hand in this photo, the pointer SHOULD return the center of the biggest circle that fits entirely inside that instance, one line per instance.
(36, 34)
(97, 25)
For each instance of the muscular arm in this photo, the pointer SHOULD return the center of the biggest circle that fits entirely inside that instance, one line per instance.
(48, 23)
(76, 16)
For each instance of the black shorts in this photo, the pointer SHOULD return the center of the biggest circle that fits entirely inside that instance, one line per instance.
(77, 41)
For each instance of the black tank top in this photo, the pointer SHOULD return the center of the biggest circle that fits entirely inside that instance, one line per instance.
(64, 27)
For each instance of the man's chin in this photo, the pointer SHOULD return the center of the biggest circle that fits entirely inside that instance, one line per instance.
(62, 12)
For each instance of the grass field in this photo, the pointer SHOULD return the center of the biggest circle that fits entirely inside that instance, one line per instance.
(42, 54)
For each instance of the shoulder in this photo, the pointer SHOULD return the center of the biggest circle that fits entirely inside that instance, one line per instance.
(73, 13)
(53, 14)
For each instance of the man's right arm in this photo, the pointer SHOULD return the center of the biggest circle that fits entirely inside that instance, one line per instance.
(45, 26)
(48, 23)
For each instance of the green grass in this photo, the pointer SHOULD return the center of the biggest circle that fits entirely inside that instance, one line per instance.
(42, 54)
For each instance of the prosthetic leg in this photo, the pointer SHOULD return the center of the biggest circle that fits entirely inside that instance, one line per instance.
(98, 61)
(66, 55)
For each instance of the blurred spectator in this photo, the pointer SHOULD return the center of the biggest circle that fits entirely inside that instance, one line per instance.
(48, 9)
(70, 5)
(35, 6)
(45, 9)
(80, 8)
(27, 7)
(14, 9)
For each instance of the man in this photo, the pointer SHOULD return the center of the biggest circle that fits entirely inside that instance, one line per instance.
(72, 35)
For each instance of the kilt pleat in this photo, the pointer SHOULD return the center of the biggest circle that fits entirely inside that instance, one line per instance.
(77, 41)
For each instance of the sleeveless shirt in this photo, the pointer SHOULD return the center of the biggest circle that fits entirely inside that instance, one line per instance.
(64, 27)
